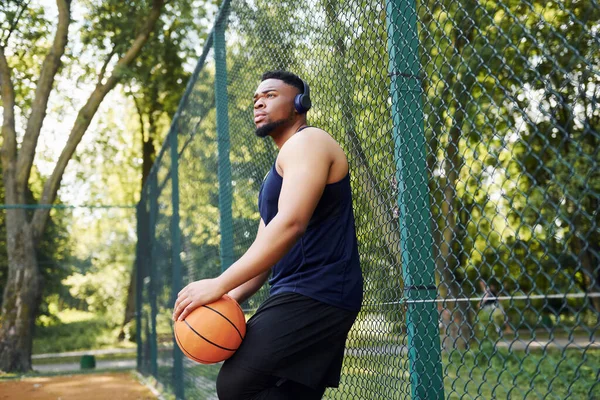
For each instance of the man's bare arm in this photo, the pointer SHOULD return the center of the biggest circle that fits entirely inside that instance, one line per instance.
(246, 290)
(306, 170)
(306, 161)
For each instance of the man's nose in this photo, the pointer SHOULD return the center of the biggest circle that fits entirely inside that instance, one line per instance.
(259, 104)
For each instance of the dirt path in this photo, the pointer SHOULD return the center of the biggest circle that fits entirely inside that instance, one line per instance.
(122, 386)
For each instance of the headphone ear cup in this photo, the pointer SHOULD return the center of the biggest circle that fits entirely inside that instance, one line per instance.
(302, 103)
(298, 104)
(306, 103)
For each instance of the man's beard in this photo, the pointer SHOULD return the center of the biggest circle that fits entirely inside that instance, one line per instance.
(271, 127)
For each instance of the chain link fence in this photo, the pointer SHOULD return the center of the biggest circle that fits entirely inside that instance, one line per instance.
(472, 130)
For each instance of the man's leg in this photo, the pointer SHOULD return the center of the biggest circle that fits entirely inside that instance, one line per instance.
(290, 390)
(238, 383)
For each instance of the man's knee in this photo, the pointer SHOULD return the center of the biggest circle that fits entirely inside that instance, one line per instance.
(237, 383)
(228, 383)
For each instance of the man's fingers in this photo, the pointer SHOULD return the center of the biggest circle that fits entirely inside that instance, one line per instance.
(180, 307)
(180, 298)
(182, 291)
(184, 303)
(191, 307)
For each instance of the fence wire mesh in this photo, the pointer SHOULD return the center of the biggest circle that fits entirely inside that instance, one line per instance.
(472, 131)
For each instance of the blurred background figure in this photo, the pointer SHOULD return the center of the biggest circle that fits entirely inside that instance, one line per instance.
(491, 312)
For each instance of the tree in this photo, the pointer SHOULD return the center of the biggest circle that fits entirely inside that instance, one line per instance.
(52, 251)
(484, 66)
(558, 155)
(157, 81)
(22, 294)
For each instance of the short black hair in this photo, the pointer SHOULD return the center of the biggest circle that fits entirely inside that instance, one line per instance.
(285, 76)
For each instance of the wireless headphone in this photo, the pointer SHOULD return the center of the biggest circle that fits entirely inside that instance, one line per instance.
(302, 101)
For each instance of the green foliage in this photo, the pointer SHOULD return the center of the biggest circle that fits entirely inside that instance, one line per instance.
(127, 355)
(33, 46)
(53, 251)
(158, 79)
(494, 376)
(509, 92)
(73, 330)
(525, 180)
(87, 269)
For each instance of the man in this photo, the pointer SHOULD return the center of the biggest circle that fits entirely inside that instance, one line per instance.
(295, 342)
(493, 311)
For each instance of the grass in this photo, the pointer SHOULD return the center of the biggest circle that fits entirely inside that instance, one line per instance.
(517, 374)
(498, 375)
(33, 374)
(77, 330)
(76, 359)
(369, 374)
(199, 381)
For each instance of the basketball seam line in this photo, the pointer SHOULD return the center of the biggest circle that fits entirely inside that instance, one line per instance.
(188, 353)
(214, 344)
(228, 320)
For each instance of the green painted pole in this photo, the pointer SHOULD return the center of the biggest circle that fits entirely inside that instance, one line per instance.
(178, 381)
(139, 262)
(152, 274)
(418, 267)
(225, 194)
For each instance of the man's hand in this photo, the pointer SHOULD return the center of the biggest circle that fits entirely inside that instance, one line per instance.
(194, 295)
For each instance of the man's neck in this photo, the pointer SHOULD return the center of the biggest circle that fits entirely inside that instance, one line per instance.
(288, 132)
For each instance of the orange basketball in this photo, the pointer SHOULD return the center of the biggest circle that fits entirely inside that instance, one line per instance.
(212, 333)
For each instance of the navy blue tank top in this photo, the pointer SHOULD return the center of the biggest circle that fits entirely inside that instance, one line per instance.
(324, 263)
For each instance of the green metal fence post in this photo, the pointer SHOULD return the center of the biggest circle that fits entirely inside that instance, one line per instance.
(178, 381)
(152, 274)
(139, 262)
(413, 201)
(221, 100)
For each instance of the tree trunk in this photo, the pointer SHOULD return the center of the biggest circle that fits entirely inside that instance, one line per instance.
(590, 268)
(86, 114)
(457, 316)
(440, 105)
(22, 295)
(148, 154)
(460, 330)
(381, 205)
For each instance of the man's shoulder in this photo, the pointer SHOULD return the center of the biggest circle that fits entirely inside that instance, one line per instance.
(315, 131)
(310, 136)
(315, 147)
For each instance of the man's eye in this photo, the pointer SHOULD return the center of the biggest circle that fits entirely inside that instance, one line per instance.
(270, 95)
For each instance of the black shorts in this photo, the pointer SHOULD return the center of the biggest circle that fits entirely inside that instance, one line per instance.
(297, 338)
